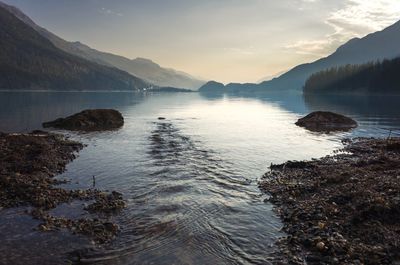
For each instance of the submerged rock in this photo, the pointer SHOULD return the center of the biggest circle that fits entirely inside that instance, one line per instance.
(325, 121)
(89, 120)
(107, 203)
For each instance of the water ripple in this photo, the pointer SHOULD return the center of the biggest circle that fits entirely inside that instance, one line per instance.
(187, 215)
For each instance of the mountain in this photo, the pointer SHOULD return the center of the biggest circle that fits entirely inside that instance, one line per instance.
(380, 45)
(30, 61)
(212, 86)
(372, 78)
(142, 68)
(270, 77)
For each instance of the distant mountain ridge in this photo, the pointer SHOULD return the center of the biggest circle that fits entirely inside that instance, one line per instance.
(140, 67)
(30, 61)
(213, 86)
(380, 45)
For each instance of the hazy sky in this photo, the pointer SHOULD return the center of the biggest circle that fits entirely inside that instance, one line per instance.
(224, 40)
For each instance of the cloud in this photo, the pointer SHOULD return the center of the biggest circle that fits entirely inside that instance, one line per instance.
(355, 19)
(316, 48)
(107, 11)
(363, 14)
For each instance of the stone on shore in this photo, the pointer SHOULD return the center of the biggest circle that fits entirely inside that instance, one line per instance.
(89, 120)
(340, 209)
(28, 164)
(325, 121)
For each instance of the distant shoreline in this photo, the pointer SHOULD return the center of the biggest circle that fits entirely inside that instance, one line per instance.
(92, 91)
(68, 91)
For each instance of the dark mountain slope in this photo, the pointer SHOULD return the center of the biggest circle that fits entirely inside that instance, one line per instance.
(30, 61)
(142, 68)
(380, 77)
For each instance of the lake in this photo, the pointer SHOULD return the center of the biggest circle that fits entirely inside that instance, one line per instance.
(190, 181)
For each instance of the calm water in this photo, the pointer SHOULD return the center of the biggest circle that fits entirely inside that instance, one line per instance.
(190, 180)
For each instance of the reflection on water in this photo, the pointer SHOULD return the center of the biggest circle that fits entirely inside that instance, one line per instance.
(190, 181)
(291, 101)
(22, 111)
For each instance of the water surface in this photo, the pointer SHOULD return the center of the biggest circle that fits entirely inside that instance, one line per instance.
(190, 180)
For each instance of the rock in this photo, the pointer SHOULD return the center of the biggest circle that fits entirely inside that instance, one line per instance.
(323, 121)
(321, 225)
(343, 208)
(89, 120)
(313, 258)
(107, 203)
(28, 163)
(320, 246)
(43, 228)
(393, 147)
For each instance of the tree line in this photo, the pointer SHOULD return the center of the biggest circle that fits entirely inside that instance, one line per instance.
(373, 77)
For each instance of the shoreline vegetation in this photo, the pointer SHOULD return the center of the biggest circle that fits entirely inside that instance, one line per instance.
(28, 164)
(374, 77)
(340, 209)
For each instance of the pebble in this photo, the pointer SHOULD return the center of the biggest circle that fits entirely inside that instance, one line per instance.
(344, 208)
(320, 246)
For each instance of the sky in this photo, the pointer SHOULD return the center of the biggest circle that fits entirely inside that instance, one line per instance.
(222, 40)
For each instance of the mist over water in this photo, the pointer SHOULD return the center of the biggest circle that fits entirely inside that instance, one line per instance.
(190, 180)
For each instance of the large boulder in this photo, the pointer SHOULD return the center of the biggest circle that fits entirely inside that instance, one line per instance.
(325, 121)
(89, 120)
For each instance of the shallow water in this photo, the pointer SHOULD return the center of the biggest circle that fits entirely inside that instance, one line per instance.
(190, 180)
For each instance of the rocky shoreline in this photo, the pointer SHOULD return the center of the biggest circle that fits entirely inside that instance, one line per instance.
(28, 164)
(340, 209)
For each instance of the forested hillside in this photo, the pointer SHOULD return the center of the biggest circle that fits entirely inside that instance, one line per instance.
(142, 68)
(375, 77)
(30, 61)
